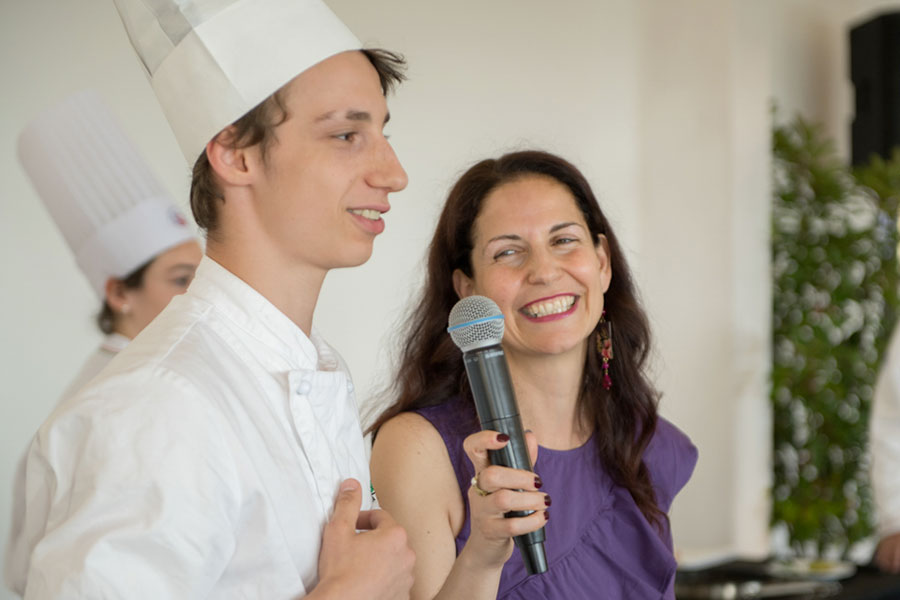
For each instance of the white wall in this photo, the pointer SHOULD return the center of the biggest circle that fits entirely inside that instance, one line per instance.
(664, 105)
(709, 71)
(686, 168)
(704, 222)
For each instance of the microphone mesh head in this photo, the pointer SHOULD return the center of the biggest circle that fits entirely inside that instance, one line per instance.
(475, 322)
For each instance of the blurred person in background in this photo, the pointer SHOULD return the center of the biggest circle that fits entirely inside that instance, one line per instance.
(133, 246)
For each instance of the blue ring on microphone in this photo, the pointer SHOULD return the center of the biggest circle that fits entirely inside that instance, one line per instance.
(475, 322)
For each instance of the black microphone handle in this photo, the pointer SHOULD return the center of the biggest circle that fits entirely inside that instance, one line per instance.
(495, 402)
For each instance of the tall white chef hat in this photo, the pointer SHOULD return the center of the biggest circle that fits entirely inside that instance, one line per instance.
(114, 214)
(211, 61)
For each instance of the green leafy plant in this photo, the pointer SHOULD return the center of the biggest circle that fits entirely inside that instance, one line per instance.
(835, 269)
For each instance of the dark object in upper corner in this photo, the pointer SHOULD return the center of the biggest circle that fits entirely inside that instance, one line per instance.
(875, 72)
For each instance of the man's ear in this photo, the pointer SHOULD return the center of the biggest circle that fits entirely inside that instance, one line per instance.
(602, 249)
(463, 284)
(229, 162)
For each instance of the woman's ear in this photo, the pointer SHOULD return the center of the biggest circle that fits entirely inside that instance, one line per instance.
(117, 296)
(463, 284)
(602, 249)
(229, 162)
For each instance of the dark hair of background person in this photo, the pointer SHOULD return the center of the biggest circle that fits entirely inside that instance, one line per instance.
(430, 365)
(106, 319)
(258, 127)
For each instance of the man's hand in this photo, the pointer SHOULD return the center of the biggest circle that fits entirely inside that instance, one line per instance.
(887, 555)
(376, 563)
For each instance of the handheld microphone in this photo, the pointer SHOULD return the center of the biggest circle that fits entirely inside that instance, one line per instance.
(476, 326)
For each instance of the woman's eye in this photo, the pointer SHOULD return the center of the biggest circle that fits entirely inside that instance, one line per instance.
(564, 240)
(503, 253)
(182, 281)
(347, 137)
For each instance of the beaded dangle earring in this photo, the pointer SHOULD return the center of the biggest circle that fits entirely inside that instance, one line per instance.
(604, 347)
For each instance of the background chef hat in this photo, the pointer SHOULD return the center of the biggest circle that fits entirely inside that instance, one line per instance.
(114, 214)
(211, 61)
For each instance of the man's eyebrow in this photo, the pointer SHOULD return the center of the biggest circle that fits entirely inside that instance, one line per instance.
(358, 115)
(351, 115)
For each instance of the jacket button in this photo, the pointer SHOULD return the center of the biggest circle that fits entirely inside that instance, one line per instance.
(304, 388)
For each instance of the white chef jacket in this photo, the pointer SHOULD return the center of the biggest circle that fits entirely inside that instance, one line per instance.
(16, 556)
(202, 463)
(112, 344)
(884, 441)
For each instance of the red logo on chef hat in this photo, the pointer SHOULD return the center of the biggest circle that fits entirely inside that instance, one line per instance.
(176, 217)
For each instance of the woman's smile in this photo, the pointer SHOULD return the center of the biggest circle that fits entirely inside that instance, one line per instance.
(552, 308)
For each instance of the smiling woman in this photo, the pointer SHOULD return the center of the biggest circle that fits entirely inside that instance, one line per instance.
(526, 231)
(534, 255)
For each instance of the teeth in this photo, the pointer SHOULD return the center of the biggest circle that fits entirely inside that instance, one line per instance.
(550, 307)
(368, 213)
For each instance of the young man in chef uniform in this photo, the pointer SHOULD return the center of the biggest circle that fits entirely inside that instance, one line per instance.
(220, 454)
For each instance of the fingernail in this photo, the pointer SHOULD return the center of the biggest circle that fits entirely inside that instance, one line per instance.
(546, 515)
(537, 482)
(502, 437)
(547, 500)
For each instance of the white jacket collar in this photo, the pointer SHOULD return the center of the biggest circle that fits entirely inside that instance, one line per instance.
(252, 312)
(114, 343)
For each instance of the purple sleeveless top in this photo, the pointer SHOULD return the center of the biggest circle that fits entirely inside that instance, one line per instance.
(598, 542)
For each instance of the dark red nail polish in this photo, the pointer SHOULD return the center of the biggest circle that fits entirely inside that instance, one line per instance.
(547, 500)
(502, 437)
(537, 482)
(546, 515)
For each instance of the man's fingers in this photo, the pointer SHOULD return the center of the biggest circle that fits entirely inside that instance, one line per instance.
(373, 519)
(346, 507)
